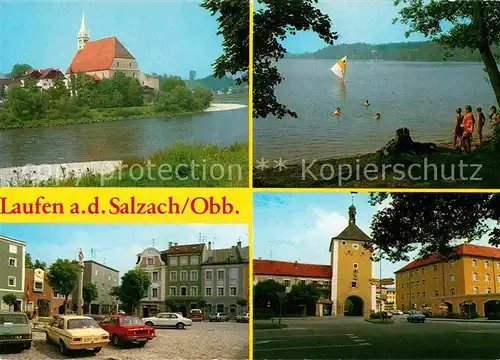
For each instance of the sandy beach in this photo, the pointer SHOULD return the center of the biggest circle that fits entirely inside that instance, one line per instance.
(225, 107)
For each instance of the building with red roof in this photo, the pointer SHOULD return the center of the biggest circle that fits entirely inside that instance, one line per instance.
(102, 58)
(346, 284)
(466, 280)
(45, 77)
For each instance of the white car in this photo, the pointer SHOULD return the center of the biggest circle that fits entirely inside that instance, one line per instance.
(167, 320)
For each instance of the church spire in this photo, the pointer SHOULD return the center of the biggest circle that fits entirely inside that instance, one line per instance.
(83, 34)
(352, 211)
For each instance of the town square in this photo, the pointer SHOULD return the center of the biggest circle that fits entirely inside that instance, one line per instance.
(177, 292)
(367, 289)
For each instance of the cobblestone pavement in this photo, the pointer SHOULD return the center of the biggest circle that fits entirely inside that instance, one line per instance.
(201, 341)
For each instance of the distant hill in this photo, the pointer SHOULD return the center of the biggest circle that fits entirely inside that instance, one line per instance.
(212, 83)
(407, 51)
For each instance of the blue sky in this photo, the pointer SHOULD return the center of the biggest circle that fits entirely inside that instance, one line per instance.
(367, 21)
(299, 226)
(171, 37)
(117, 244)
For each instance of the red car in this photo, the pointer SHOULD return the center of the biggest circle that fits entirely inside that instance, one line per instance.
(127, 329)
(196, 315)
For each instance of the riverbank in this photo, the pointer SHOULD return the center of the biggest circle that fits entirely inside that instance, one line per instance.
(445, 168)
(180, 165)
(91, 116)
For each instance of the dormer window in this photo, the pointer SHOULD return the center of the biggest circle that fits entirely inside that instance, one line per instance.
(117, 64)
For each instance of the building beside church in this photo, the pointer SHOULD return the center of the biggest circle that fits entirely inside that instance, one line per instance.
(466, 281)
(102, 58)
(346, 284)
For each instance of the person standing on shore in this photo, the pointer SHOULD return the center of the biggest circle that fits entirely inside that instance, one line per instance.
(468, 128)
(457, 132)
(494, 115)
(481, 120)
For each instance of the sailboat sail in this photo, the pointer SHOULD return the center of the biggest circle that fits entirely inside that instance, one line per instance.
(340, 67)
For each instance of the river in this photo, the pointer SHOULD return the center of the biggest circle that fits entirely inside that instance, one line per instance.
(422, 96)
(119, 140)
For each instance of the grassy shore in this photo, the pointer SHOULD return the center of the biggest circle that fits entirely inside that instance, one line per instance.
(181, 165)
(446, 168)
(89, 116)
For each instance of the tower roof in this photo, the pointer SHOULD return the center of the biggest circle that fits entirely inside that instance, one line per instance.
(83, 26)
(352, 232)
(98, 55)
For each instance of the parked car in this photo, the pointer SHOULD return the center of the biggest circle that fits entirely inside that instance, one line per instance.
(127, 329)
(15, 330)
(72, 332)
(243, 318)
(218, 317)
(415, 316)
(397, 312)
(196, 315)
(167, 320)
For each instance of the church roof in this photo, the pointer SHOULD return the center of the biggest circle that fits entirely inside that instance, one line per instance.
(98, 55)
(353, 232)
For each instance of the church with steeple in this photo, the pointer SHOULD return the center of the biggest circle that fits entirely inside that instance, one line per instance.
(352, 292)
(102, 58)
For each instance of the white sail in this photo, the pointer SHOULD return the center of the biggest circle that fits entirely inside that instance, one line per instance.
(340, 67)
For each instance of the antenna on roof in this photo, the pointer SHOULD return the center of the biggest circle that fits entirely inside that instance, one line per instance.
(153, 242)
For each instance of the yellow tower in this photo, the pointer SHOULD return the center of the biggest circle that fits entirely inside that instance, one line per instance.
(352, 268)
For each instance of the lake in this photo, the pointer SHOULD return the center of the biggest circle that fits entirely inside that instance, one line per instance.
(421, 96)
(117, 140)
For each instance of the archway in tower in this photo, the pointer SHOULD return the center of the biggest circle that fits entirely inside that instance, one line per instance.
(353, 306)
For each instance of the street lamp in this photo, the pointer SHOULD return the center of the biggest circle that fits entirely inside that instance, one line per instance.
(281, 296)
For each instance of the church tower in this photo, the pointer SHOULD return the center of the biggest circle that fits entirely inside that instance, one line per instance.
(352, 292)
(83, 34)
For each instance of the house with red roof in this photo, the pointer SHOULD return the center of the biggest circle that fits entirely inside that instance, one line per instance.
(102, 58)
(45, 77)
(465, 280)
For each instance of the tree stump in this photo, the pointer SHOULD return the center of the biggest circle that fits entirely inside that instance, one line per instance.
(404, 144)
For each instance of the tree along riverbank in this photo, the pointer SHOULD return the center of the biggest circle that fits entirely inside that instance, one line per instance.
(90, 116)
(442, 168)
(180, 165)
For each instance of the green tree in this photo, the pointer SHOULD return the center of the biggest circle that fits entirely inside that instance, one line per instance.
(30, 84)
(19, 70)
(59, 92)
(2, 92)
(10, 300)
(63, 277)
(28, 263)
(26, 104)
(38, 264)
(202, 97)
(443, 219)
(265, 295)
(89, 293)
(134, 286)
(302, 295)
(475, 25)
(273, 21)
(202, 303)
(171, 82)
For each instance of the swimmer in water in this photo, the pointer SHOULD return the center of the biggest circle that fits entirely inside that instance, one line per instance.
(377, 116)
(367, 103)
(336, 112)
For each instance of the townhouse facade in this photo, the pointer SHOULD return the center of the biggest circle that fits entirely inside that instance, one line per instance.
(183, 283)
(153, 263)
(105, 278)
(12, 271)
(466, 281)
(39, 296)
(223, 279)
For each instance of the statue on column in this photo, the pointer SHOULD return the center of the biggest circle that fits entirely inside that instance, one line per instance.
(80, 257)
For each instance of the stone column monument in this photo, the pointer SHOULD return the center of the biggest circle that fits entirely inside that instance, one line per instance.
(79, 300)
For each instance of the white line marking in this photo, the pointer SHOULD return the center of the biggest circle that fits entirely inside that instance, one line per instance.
(349, 334)
(288, 337)
(312, 347)
(359, 340)
(262, 342)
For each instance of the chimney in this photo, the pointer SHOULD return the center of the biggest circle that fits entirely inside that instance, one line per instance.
(169, 244)
(239, 244)
(209, 245)
(176, 244)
